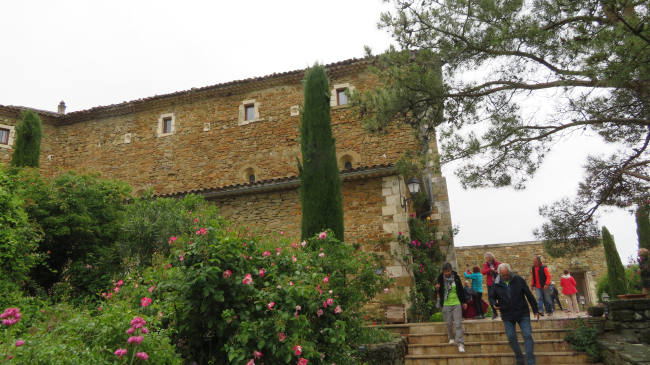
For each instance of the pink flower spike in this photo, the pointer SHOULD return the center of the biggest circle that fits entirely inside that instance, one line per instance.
(144, 330)
(10, 316)
(281, 336)
(120, 352)
(20, 343)
(138, 322)
(258, 354)
(248, 279)
(130, 331)
(142, 355)
(227, 273)
(135, 340)
(298, 350)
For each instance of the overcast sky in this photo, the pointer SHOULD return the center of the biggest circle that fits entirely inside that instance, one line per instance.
(92, 53)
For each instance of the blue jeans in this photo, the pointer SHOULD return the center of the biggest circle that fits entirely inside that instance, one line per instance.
(544, 300)
(527, 334)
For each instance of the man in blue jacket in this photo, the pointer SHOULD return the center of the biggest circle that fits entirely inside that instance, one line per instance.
(510, 293)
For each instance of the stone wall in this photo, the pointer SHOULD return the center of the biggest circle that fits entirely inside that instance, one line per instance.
(590, 264)
(631, 318)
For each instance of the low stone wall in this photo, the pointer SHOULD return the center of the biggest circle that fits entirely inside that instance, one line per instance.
(387, 353)
(631, 319)
(619, 350)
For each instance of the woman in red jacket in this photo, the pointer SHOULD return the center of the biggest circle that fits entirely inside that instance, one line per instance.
(568, 284)
(490, 269)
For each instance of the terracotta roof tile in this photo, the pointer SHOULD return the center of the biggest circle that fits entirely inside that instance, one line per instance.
(268, 182)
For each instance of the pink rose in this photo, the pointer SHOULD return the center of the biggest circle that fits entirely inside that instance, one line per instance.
(302, 361)
(326, 280)
(322, 236)
(151, 289)
(262, 272)
(248, 279)
(386, 290)
(330, 301)
(258, 354)
(271, 305)
(298, 307)
(281, 336)
(293, 258)
(146, 301)
(227, 273)
(252, 362)
(321, 255)
(20, 343)
(338, 309)
(319, 312)
(324, 304)
(266, 254)
(298, 350)
(303, 244)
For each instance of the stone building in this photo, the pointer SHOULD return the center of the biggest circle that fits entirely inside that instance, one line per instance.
(236, 143)
(586, 268)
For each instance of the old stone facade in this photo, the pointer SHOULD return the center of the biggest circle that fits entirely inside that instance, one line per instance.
(587, 268)
(236, 143)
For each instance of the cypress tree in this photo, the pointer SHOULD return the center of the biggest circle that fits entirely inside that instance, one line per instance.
(618, 282)
(320, 184)
(643, 228)
(28, 141)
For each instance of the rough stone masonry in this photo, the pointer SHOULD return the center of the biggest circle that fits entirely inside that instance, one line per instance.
(202, 141)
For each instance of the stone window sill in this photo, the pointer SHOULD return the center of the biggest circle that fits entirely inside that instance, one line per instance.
(345, 106)
(244, 122)
(166, 134)
(2, 145)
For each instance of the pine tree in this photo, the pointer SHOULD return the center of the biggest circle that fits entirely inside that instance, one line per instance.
(28, 141)
(615, 271)
(643, 227)
(320, 184)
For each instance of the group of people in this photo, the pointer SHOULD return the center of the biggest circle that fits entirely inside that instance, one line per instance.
(508, 294)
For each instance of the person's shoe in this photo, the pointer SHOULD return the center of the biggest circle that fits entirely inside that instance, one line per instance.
(495, 316)
(451, 342)
(550, 314)
(461, 348)
(541, 314)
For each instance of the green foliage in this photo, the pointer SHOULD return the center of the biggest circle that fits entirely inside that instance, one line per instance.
(480, 62)
(618, 281)
(583, 338)
(80, 217)
(63, 334)
(424, 258)
(18, 237)
(27, 149)
(320, 184)
(634, 283)
(149, 223)
(436, 317)
(643, 227)
(224, 320)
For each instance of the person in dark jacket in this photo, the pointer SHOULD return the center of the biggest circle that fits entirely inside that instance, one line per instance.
(510, 293)
(555, 295)
(451, 298)
(468, 291)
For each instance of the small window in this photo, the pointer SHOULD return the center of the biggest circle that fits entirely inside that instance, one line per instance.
(251, 178)
(250, 112)
(4, 136)
(348, 165)
(341, 97)
(167, 125)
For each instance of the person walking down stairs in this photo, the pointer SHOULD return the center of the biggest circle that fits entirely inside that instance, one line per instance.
(477, 290)
(510, 293)
(490, 272)
(451, 298)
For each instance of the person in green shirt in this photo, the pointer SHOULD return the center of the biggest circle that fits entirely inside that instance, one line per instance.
(451, 297)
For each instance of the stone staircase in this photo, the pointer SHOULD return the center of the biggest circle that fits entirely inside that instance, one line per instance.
(485, 343)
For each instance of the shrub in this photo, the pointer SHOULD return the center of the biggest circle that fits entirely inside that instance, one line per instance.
(583, 338)
(436, 317)
(631, 272)
(230, 294)
(28, 140)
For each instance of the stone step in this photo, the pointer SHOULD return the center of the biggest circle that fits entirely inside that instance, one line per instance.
(484, 336)
(485, 347)
(482, 325)
(505, 358)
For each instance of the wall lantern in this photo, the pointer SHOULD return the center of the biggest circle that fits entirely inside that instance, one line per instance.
(605, 299)
(582, 300)
(414, 188)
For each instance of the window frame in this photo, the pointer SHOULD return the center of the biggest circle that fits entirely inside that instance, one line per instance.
(249, 107)
(243, 109)
(162, 128)
(6, 140)
(338, 97)
(166, 120)
(11, 135)
(335, 100)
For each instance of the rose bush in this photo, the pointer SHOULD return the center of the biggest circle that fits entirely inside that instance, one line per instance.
(230, 300)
